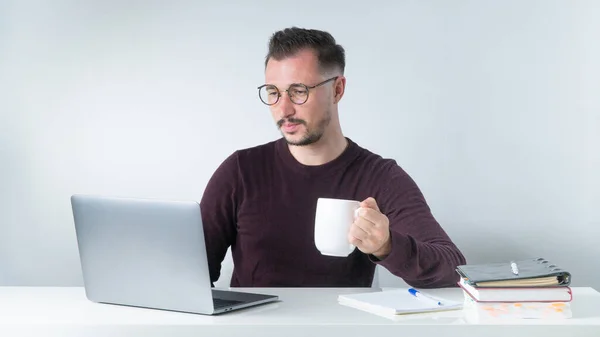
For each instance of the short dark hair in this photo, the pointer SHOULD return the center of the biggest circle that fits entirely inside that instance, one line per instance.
(289, 41)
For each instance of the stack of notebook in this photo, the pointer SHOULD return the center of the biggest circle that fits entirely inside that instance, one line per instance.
(515, 286)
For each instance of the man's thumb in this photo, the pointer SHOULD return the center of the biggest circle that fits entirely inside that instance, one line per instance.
(370, 203)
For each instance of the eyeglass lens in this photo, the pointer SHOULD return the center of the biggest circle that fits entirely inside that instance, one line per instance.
(269, 94)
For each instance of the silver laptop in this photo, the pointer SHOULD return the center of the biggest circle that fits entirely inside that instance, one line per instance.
(149, 253)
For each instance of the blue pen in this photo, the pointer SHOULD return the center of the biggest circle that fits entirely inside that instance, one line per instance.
(424, 297)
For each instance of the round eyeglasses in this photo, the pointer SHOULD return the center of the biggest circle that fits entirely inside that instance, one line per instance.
(297, 92)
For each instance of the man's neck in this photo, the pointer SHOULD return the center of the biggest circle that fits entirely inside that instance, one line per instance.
(321, 152)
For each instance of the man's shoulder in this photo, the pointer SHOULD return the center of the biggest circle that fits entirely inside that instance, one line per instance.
(385, 175)
(242, 160)
(257, 153)
(377, 162)
(382, 170)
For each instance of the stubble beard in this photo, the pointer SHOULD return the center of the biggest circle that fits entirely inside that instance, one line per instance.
(311, 136)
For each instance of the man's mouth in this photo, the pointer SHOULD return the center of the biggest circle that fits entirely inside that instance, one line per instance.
(289, 122)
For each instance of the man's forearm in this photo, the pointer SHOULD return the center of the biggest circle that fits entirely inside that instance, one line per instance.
(423, 264)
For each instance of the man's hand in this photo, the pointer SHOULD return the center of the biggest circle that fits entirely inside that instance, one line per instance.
(370, 231)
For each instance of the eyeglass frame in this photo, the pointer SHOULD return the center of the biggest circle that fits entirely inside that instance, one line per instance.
(288, 93)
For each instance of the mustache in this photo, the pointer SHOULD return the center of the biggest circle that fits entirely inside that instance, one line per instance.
(290, 120)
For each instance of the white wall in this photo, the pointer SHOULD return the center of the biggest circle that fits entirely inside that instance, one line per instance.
(491, 106)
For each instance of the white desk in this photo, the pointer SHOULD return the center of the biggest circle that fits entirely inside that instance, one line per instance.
(54, 311)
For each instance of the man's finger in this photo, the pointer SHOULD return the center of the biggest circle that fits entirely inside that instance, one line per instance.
(364, 224)
(356, 235)
(371, 215)
(361, 229)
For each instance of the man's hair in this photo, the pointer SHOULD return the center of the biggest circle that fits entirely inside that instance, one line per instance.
(289, 41)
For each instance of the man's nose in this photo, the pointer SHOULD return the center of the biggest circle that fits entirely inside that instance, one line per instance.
(285, 106)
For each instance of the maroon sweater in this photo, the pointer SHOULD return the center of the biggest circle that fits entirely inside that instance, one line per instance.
(262, 203)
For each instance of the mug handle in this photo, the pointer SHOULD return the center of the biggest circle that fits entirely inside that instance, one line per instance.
(351, 246)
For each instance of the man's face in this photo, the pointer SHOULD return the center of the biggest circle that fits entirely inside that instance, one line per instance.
(300, 124)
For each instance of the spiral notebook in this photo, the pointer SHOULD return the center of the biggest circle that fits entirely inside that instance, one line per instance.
(535, 272)
(395, 302)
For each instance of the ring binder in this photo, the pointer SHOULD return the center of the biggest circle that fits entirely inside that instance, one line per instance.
(534, 272)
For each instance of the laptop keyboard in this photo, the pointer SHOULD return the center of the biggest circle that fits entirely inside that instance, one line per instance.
(220, 303)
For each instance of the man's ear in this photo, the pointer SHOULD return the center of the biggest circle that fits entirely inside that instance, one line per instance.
(339, 88)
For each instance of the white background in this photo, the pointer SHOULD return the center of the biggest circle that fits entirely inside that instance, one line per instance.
(491, 106)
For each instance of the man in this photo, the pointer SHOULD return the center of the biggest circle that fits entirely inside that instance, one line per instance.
(261, 201)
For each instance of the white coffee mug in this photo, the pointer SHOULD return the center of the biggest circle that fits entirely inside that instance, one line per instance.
(333, 219)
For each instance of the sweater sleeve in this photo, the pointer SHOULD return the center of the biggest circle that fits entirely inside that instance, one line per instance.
(219, 213)
(422, 254)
